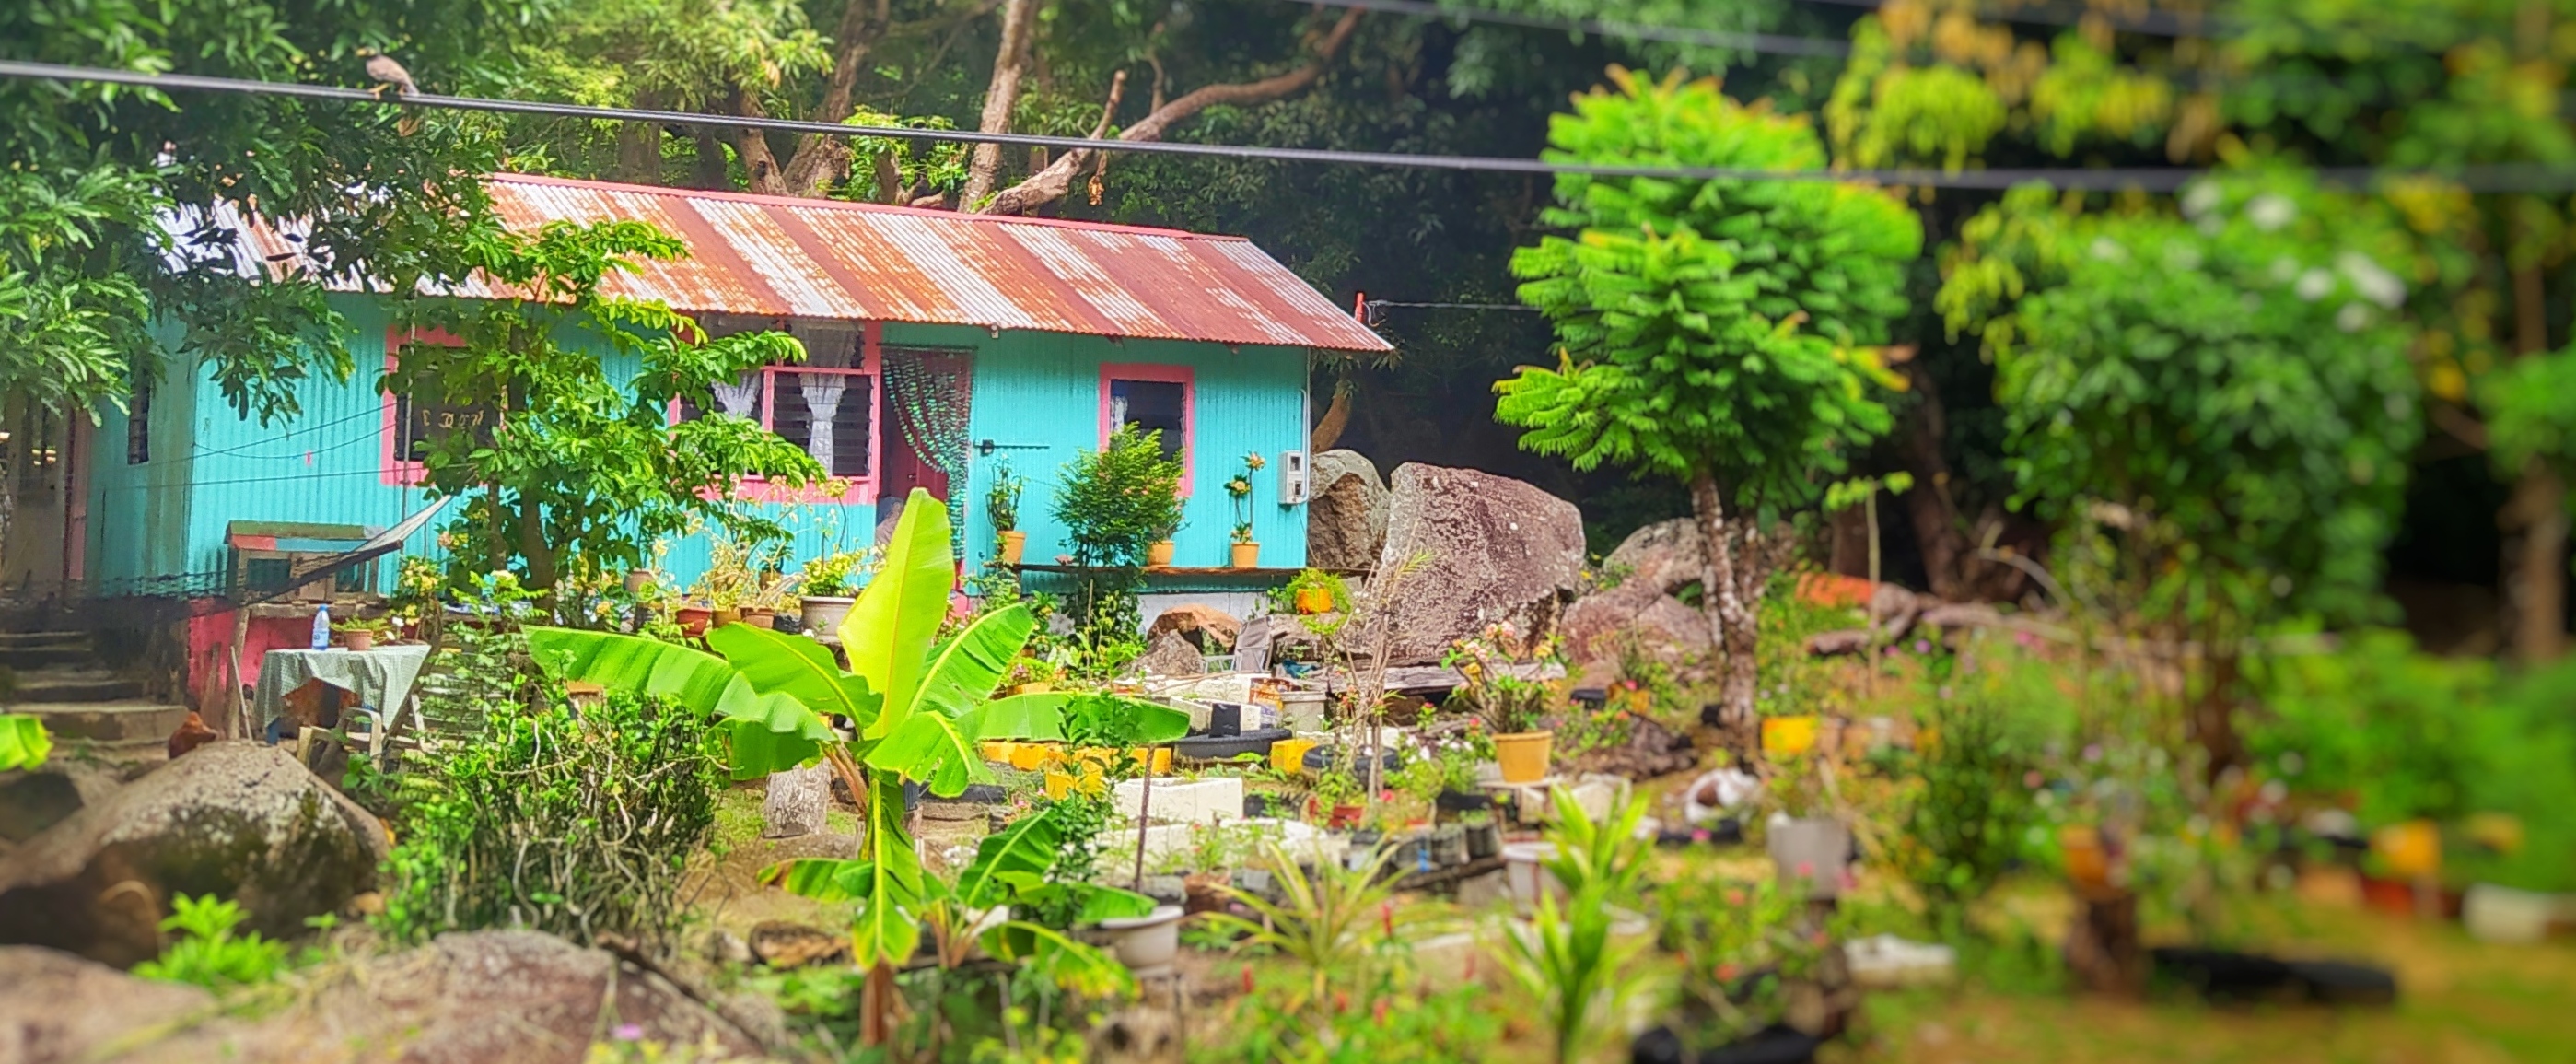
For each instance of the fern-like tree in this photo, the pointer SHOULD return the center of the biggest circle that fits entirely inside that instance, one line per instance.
(1716, 332)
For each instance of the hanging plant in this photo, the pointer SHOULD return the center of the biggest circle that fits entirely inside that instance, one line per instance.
(1239, 489)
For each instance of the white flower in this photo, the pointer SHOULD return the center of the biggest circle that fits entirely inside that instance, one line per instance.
(2182, 258)
(2354, 317)
(2203, 198)
(2314, 284)
(2375, 281)
(2285, 269)
(2211, 225)
(2108, 250)
(2271, 211)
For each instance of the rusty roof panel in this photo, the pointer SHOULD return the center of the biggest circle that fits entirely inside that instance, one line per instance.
(812, 258)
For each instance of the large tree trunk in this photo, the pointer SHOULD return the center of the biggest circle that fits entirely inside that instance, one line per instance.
(1003, 95)
(639, 147)
(2534, 520)
(1732, 622)
(1051, 184)
(1941, 530)
(1337, 417)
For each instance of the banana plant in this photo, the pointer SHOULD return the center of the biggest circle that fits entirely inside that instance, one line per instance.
(914, 709)
(23, 742)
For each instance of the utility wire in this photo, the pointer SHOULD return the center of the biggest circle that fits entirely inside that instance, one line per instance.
(2509, 177)
(1770, 43)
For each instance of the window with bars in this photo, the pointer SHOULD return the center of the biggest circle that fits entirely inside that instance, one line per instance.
(826, 405)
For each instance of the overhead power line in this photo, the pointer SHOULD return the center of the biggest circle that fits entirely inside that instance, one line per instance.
(1768, 43)
(2486, 178)
(2150, 23)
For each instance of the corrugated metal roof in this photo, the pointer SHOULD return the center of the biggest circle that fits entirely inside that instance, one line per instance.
(775, 255)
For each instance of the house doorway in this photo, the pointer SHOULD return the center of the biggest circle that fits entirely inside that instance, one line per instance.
(929, 397)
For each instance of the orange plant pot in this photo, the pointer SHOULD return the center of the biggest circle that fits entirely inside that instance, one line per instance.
(1244, 555)
(1158, 554)
(1014, 543)
(1524, 756)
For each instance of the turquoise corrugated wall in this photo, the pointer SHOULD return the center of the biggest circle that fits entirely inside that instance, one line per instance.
(1042, 390)
(210, 467)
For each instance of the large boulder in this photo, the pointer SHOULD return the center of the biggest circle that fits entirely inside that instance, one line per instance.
(1346, 517)
(1651, 566)
(1665, 556)
(1171, 654)
(468, 998)
(236, 820)
(59, 1008)
(1471, 549)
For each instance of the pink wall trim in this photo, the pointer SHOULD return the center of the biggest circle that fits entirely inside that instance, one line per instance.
(861, 490)
(392, 468)
(1184, 376)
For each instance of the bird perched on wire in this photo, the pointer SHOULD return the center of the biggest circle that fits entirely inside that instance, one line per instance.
(389, 74)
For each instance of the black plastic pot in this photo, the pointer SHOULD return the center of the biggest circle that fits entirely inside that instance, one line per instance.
(1464, 801)
(1589, 697)
(1323, 758)
(2228, 976)
(1772, 1045)
(1225, 720)
(1448, 845)
(1216, 749)
(1483, 840)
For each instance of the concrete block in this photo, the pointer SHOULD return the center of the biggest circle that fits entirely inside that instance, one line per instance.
(1175, 800)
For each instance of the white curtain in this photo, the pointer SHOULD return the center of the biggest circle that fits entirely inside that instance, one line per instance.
(739, 399)
(823, 401)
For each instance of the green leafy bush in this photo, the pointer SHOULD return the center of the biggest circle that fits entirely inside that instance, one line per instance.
(2376, 722)
(1120, 499)
(572, 821)
(1965, 826)
(212, 956)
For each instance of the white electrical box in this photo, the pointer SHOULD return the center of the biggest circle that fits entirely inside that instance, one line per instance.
(1295, 482)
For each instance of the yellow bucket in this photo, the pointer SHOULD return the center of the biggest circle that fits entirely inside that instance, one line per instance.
(998, 751)
(1059, 784)
(2412, 849)
(1289, 755)
(1030, 757)
(1101, 755)
(1788, 736)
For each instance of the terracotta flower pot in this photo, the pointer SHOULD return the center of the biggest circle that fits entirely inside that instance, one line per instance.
(1524, 756)
(1244, 555)
(693, 620)
(760, 618)
(1159, 553)
(2088, 864)
(360, 639)
(637, 579)
(1014, 542)
(725, 615)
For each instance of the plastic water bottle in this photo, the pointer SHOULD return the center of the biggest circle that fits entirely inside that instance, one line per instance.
(322, 627)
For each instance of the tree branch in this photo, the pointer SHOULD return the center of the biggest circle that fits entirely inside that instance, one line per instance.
(1000, 99)
(1049, 185)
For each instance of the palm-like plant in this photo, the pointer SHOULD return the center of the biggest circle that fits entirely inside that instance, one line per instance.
(1568, 960)
(914, 709)
(1334, 924)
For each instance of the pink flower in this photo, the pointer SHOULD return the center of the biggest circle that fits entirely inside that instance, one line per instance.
(627, 1032)
(1806, 869)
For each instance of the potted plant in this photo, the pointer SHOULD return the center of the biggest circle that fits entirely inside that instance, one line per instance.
(1312, 593)
(1337, 793)
(1246, 553)
(1809, 850)
(1121, 505)
(831, 585)
(1514, 709)
(1484, 838)
(1002, 507)
(359, 634)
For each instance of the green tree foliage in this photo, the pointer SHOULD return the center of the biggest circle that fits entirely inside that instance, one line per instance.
(582, 471)
(2225, 391)
(1714, 333)
(92, 164)
(2236, 373)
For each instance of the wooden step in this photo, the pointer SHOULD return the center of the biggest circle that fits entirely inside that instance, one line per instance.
(44, 639)
(23, 658)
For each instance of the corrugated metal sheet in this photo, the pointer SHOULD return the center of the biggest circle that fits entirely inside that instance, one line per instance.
(826, 259)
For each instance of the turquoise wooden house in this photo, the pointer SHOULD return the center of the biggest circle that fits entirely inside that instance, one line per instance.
(939, 345)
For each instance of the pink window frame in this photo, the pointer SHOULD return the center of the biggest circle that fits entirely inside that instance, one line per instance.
(391, 467)
(1184, 376)
(863, 489)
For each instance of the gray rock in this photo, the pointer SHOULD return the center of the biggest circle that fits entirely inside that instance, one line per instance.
(465, 998)
(1346, 518)
(62, 1008)
(1469, 549)
(1665, 556)
(234, 820)
(1171, 654)
(1666, 628)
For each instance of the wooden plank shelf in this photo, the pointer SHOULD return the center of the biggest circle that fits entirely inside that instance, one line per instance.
(1187, 570)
